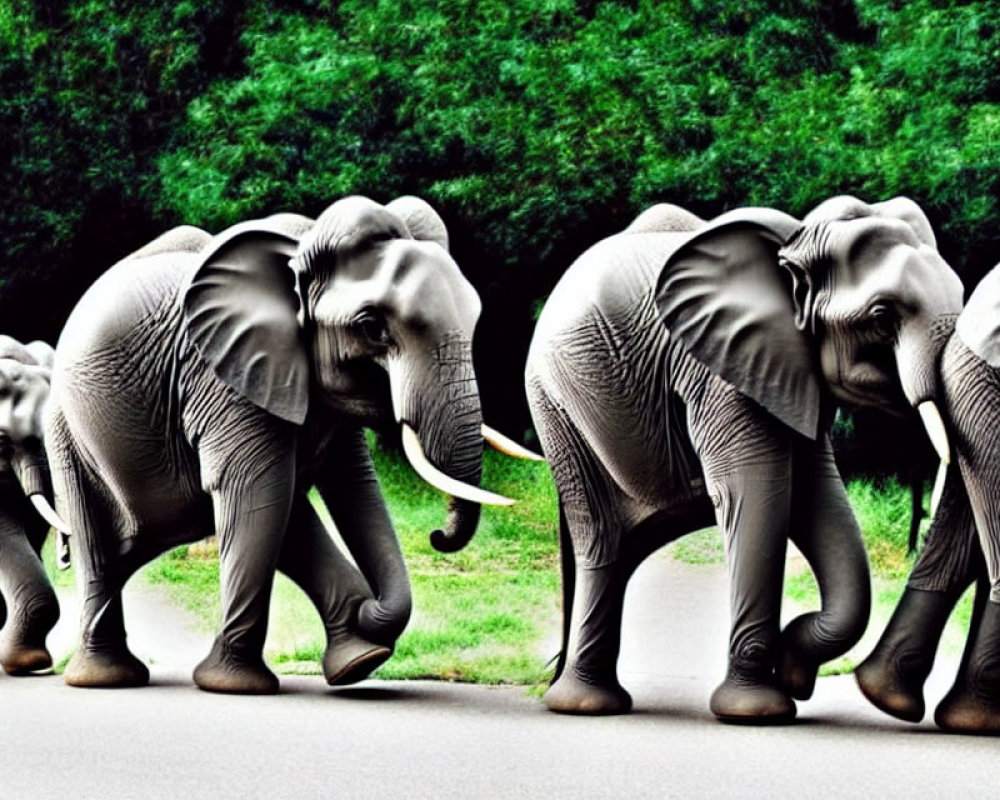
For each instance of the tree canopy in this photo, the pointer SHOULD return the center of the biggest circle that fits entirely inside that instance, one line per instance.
(534, 126)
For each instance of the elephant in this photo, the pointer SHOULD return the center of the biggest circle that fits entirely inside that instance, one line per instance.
(963, 543)
(28, 605)
(206, 383)
(684, 373)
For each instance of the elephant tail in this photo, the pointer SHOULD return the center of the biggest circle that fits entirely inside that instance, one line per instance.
(568, 569)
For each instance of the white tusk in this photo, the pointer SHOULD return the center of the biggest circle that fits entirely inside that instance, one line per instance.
(48, 513)
(938, 490)
(508, 446)
(435, 477)
(936, 431)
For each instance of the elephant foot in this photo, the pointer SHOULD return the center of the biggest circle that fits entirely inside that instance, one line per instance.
(22, 643)
(352, 660)
(25, 660)
(963, 711)
(973, 703)
(225, 672)
(892, 678)
(571, 694)
(745, 702)
(105, 669)
(889, 689)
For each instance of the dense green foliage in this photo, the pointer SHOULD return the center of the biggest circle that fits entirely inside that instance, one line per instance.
(536, 126)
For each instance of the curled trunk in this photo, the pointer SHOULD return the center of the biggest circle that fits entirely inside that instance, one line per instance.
(463, 518)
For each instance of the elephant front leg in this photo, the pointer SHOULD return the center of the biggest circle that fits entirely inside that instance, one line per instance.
(752, 508)
(32, 605)
(310, 557)
(251, 518)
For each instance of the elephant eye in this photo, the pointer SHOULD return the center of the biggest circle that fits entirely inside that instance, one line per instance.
(372, 326)
(882, 319)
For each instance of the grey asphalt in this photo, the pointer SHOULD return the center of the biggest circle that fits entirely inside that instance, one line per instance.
(438, 740)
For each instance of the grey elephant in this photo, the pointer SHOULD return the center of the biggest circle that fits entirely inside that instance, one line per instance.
(28, 604)
(204, 384)
(683, 373)
(963, 544)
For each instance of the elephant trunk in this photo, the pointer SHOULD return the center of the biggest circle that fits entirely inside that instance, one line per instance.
(463, 518)
(443, 440)
(31, 469)
(462, 459)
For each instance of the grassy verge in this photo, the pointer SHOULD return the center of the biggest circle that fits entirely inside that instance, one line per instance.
(490, 612)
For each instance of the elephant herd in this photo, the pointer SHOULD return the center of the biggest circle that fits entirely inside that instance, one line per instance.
(682, 373)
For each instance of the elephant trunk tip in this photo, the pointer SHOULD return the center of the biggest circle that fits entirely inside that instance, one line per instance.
(444, 543)
(463, 518)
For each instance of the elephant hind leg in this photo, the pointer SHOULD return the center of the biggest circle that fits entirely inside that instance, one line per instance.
(594, 573)
(103, 660)
(102, 657)
(588, 683)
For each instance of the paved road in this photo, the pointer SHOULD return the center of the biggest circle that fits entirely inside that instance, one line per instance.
(432, 740)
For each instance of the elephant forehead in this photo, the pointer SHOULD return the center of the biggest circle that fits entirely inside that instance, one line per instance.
(418, 282)
(916, 278)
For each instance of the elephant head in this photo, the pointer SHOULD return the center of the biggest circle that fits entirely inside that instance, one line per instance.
(25, 374)
(962, 546)
(364, 312)
(854, 301)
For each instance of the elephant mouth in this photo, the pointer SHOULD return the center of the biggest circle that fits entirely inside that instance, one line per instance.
(360, 388)
(873, 381)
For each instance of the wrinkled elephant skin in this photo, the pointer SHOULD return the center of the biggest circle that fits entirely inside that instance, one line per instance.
(206, 383)
(27, 600)
(684, 373)
(962, 547)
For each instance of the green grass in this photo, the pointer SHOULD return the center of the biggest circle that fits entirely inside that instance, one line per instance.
(490, 613)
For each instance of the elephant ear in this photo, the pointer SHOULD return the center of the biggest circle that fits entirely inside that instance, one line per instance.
(421, 219)
(241, 311)
(723, 294)
(978, 326)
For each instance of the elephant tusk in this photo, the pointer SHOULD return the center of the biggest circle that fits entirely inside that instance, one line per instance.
(508, 446)
(48, 513)
(435, 477)
(938, 490)
(936, 431)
